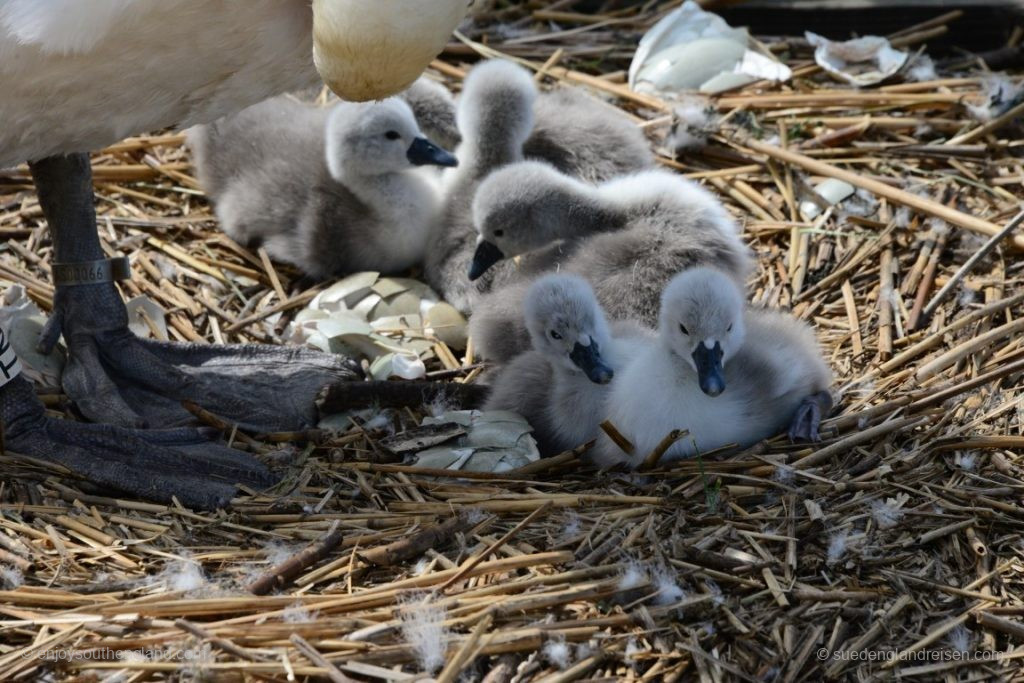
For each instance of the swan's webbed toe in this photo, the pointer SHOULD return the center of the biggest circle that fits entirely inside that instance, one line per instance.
(117, 378)
(157, 465)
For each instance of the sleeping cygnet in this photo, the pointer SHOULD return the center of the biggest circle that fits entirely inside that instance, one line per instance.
(627, 237)
(330, 190)
(559, 385)
(726, 373)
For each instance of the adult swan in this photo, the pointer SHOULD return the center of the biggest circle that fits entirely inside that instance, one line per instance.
(76, 76)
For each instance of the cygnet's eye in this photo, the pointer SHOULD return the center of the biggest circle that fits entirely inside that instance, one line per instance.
(729, 329)
(392, 135)
(682, 328)
(499, 233)
(555, 335)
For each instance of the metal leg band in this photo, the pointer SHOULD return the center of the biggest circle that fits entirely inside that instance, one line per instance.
(91, 272)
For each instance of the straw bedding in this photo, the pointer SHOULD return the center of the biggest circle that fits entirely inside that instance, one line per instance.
(891, 548)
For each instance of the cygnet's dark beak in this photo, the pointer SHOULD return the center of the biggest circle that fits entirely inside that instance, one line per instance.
(423, 152)
(485, 256)
(588, 359)
(709, 368)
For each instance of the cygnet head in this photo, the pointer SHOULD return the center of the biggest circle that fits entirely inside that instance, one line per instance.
(519, 208)
(496, 105)
(567, 325)
(701, 322)
(377, 138)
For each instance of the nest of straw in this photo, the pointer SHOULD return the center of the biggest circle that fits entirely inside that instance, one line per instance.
(890, 548)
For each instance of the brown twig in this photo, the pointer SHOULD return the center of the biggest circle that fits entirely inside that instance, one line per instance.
(969, 265)
(481, 556)
(285, 572)
(432, 537)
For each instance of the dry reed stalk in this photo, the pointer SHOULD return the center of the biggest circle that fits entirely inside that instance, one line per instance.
(893, 194)
(283, 573)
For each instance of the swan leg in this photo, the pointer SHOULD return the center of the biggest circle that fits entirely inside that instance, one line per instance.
(807, 419)
(152, 464)
(117, 378)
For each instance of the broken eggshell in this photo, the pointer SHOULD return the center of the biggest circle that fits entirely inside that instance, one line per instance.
(495, 441)
(380, 319)
(862, 61)
(683, 25)
(688, 66)
(139, 309)
(831, 192)
(690, 49)
(447, 324)
(403, 365)
(24, 323)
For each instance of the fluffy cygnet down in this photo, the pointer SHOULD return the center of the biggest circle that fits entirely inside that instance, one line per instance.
(726, 373)
(331, 191)
(433, 105)
(560, 384)
(627, 237)
(503, 119)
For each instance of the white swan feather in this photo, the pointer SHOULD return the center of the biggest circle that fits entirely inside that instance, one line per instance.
(77, 75)
(61, 26)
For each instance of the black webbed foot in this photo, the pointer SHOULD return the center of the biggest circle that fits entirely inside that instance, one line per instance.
(117, 378)
(156, 465)
(807, 419)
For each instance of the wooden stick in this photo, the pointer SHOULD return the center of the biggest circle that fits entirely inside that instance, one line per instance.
(615, 435)
(480, 557)
(977, 545)
(885, 292)
(1001, 441)
(933, 635)
(968, 347)
(284, 573)
(1011, 628)
(832, 98)
(268, 267)
(986, 128)
(851, 316)
(818, 595)
(296, 301)
(968, 265)
(651, 461)
(935, 339)
(437, 536)
(901, 197)
(933, 398)
(844, 445)
(940, 20)
(555, 57)
(222, 643)
(545, 464)
(928, 278)
(456, 664)
(314, 656)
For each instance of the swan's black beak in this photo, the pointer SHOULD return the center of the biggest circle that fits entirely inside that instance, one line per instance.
(423, 152)
(709, 368)
(485, 256)
(588, 359)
